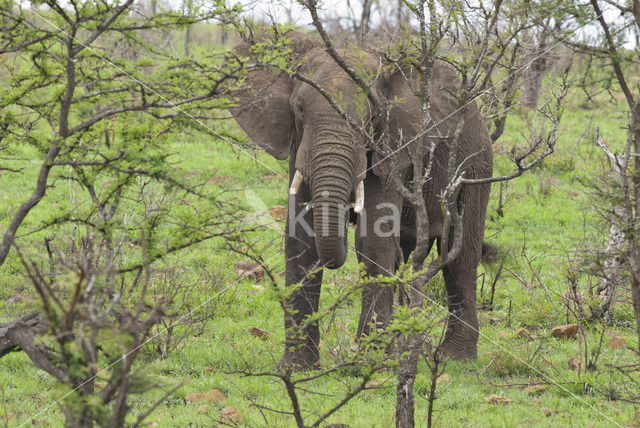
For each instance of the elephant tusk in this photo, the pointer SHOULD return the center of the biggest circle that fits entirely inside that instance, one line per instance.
(358, 205)
(295, 183)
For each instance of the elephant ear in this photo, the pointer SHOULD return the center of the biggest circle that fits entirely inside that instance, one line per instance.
(403, 117)
(263, 110)
(402, 87)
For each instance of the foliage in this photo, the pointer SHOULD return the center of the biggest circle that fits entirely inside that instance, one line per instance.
(88, 90)
(169, 185)
(89, 94)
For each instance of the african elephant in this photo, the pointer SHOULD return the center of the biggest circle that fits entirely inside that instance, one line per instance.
(330, 166)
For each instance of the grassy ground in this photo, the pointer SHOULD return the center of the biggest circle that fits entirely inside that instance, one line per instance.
(546, 215)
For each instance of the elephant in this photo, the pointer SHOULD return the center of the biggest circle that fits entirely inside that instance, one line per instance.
(331, 165)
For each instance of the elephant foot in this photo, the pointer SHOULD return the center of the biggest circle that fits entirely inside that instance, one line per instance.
(460, 342)
(454, 351)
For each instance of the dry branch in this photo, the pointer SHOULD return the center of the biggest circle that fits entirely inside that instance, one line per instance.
(21, 335)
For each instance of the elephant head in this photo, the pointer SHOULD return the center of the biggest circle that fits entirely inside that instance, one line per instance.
(288, 117)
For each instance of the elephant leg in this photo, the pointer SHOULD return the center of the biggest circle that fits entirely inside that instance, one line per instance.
(407, 246)
(377, 302)
(377, 247)
(303, 282)
(461, 338)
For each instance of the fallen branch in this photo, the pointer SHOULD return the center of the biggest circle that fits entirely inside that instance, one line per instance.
(20, 335)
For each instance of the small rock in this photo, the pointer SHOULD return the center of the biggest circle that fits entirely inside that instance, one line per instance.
(494, 321)
(259, 333)
(215, 396)
(575, 363)
(617, 342)
(567, 331)
(194, 397)
(230, 415)
(497, 399)
(250, 270)
(210, 369)
(547, 411)
(523, 333)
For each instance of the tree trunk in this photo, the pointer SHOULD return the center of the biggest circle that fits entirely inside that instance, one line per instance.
(536, 66)
(24, 209)
(412, 344)
(533, 76)
(613, 264)
(635, 299)
(20, 335)
(608, 287)
(13, 332)
(408, 368)
(364, 20)
(635, 209)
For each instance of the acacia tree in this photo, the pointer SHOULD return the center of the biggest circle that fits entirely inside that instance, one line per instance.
(86, 87)
(92, 94)
(623, 205)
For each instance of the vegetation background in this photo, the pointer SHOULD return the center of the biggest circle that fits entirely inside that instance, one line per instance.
(543, 223)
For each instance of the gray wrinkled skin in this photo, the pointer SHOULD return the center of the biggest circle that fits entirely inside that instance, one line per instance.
(289, 118)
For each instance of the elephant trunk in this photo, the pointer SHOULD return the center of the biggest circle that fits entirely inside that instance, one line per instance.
(329, 222)
(332, 185)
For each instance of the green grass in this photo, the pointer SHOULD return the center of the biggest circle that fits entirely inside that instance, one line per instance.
(547, 212)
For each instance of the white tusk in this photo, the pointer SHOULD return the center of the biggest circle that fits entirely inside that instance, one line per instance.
(295, 183)
(358, 205)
